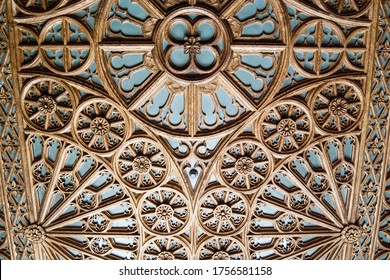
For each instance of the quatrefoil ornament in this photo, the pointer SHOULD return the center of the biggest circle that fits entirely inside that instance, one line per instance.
(192, 46)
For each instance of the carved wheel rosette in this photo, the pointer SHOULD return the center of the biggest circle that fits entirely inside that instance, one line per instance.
(169, 248)
(141, 164)
(101, 126)
(285, 127)
(221, 248)
(222, 212)
(164, 211)
(48, 104)
(245, 165)
(337, 106)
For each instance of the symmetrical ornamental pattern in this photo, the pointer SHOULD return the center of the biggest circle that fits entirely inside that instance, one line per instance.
(48, 105)
(194, 129)
(374, 194)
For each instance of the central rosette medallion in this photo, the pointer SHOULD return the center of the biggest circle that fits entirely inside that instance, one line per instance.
(192, 44)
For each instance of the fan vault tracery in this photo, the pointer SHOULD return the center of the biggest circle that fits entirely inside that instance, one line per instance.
(175, 129)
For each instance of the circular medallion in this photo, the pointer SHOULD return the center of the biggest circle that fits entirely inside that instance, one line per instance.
(65, 46)
(164, 211)
(189, 71)
(222, 212)
(100, 245)
(245, 165)
(47, 104)
(141, 164)
(285, 127)
(192, 44)
(100, 125)
(337, 106)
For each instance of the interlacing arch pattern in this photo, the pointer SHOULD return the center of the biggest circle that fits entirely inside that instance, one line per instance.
(194, 129)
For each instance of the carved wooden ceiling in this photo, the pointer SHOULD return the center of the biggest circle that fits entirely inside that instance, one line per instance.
(194, 129)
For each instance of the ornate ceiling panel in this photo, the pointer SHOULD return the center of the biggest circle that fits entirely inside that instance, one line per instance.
(193, 129)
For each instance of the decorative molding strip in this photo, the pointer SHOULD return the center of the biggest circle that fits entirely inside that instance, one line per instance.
(372, 196)
(13, 186)
(380, 248)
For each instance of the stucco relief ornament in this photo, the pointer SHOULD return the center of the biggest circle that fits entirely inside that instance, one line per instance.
(100, 245)
(35, 233)
(385, 50)
(351, 234)
(222, 212)
(221, 256)
(186, 48)
(38, 7)
(221, 248)
(346, 7)
(244, 165)
(338, 106)
(100, 125)
(192, 45)
(142, 164)
(98, 222)
(165, 248)
(165, 256)
(164, 212)
(287, 127)
(370, 189)
(285, 245)
(46, 105)
(4, 97)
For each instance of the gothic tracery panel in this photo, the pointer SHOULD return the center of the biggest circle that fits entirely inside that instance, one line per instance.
(193, 129)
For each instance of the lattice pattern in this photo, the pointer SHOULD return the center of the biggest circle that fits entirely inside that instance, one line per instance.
(13, 180)
(193, 129)
(4, 54)
(376, 187)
